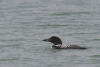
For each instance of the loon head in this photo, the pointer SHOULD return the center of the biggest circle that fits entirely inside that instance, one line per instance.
(54, 39)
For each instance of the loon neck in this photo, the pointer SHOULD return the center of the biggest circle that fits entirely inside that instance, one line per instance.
(56, 43)
(57, 46)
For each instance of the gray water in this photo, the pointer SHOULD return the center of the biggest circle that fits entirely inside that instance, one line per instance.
(25, 23)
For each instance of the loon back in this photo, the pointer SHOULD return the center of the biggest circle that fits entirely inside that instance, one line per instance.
(68, 47)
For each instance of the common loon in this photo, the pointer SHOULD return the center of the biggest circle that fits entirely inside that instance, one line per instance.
(57, 43)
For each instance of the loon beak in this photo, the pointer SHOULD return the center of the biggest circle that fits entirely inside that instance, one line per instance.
(46, 40)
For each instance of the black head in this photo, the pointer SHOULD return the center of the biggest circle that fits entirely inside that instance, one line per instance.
(54, 39)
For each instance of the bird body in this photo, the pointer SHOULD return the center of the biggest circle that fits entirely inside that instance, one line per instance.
(57, 43)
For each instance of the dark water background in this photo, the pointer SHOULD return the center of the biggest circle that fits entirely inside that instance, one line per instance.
(24, 23)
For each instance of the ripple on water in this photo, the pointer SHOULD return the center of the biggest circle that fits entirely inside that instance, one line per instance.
(48, 25)
(13, 46)
(9, 59)
(95, 56)
(69, 13)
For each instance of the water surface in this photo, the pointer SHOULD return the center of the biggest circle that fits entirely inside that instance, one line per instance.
(24, 23)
